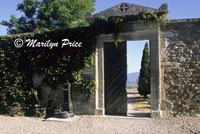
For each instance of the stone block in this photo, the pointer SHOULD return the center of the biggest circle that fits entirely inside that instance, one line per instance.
(167, 34)
(166, 105)
(155, 114)
(89, 73)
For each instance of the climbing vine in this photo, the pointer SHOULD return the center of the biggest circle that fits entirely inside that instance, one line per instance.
(117, 24)
(17, 65)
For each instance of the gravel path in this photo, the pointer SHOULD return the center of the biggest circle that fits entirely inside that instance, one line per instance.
(99, 125)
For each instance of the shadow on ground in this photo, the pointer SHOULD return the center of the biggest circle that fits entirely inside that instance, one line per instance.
(139, 115)
(137, 105)
(136, 99)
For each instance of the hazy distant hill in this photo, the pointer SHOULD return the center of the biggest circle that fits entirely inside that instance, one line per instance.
(132, 79)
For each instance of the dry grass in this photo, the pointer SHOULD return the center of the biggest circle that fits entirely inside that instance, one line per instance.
(138, 102)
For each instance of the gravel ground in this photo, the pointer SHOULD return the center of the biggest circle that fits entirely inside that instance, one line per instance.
(99, 125)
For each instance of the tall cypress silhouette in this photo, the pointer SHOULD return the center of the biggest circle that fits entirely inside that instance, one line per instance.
(144, 76)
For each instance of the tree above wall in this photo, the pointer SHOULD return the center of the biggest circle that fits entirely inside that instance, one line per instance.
(46, 15)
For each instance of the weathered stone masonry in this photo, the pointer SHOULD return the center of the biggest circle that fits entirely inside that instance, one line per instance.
(81, 103)
(180, 65)
(175, 67)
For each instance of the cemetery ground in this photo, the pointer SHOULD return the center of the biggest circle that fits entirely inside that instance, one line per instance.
(91, 124)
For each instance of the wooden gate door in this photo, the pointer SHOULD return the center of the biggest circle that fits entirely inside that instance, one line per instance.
(115, 72)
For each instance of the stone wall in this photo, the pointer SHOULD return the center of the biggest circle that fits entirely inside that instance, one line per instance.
(180, 68)
(83, 105)
(177, 91)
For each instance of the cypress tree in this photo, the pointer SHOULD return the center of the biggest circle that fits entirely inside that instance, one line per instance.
(144, 76)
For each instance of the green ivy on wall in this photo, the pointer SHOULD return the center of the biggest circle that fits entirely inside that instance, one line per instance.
(117, 24)
(57, 65)
(17, 65)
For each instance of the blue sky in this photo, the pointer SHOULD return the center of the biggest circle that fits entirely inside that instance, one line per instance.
(134, 55)
(178, 9)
